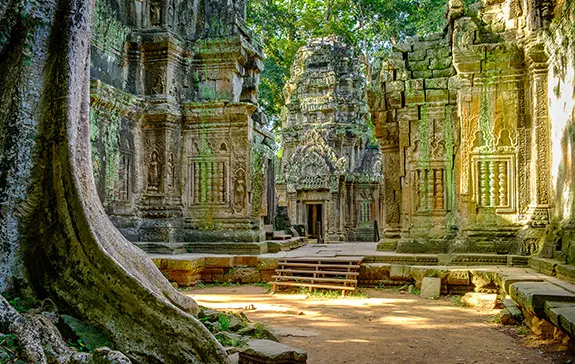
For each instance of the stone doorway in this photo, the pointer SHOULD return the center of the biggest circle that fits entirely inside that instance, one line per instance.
(314, 215)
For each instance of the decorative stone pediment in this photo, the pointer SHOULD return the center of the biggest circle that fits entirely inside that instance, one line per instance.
(313, 162)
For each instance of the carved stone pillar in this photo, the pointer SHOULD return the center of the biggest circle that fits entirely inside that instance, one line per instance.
(536, 217)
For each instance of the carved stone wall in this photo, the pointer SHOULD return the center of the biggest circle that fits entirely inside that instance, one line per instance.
(329, 157)
(414, 110)
(178, 156)
(466, 115)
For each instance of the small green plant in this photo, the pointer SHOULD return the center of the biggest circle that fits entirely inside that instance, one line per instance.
(522, 330)
(224, 322)
(265, 285)
(457, 300)
(80, 345)
(22, 305)
(495, 319)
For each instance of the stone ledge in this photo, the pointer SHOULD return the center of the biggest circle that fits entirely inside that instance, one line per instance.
(543, 265)
(531, 296)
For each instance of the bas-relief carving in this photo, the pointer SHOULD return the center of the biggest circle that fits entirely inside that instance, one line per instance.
(186, 154)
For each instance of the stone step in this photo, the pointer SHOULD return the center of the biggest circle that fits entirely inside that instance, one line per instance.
(271, 352)
(531, 296)
(562, 315)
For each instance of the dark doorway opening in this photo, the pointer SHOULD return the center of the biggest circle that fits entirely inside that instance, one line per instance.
(314, 215)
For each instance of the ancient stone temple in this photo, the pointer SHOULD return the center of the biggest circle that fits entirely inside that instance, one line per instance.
(464, 125)
(330, 171)
(179, 150)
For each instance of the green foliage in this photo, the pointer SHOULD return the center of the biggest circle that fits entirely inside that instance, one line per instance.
(457, 300)
(373, 26)
(80, 345)
(21, 304)
(9, 349)
(224, 322)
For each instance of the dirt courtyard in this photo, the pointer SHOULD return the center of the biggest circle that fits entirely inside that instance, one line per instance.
(385, 327)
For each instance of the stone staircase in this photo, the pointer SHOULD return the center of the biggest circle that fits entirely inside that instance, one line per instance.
(340, 273)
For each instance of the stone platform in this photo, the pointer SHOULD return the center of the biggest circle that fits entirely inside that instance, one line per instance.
(235, 248)
(541, 287)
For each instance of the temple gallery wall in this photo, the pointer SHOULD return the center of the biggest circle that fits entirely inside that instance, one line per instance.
(461, 141)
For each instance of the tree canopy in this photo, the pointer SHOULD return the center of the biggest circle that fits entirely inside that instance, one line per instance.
(373, 26)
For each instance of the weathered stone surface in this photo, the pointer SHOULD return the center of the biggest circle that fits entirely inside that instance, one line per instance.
(480, 300)
(430, 287)
(543, 265)
(531, 296)
(270, 352)
(510, 316)
(400, 272)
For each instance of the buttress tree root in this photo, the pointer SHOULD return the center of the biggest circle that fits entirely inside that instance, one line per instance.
(70, 250)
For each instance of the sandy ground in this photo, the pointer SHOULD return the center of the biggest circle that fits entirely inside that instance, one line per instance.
(386, 327)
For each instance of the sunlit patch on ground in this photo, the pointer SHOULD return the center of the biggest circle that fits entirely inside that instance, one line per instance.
(382, 327)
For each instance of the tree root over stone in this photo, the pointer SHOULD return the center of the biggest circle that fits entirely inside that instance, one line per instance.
(41, 342)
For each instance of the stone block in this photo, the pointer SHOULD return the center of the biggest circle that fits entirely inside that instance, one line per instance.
(440, 63)
(419, 65)
(430, 287)
(458, 277)
(400, 272)
(416, 84)
(562, 315)
(223, 262)
(267, 263)
(394, 100)
(486, 301)
(422, 74)
(543, 265)
(565, 272)
(414, 94)
(508, 279)
(191, 265)
(440, 52)
(420, 272)
(394, 86)
(271, 352)
(444, 73)
(531, 296)
(417, 55)
(436, 96)
(245, 260)
(373, 273)
(243, 275)
(436, 83)
(183, 277)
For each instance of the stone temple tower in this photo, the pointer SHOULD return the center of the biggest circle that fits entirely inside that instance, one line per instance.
(330, 168)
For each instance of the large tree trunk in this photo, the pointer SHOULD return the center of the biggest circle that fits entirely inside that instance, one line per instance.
(71, 251)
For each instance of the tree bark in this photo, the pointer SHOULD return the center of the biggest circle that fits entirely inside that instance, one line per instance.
(71, 250)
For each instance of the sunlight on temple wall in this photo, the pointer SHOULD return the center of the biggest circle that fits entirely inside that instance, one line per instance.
(561, 91)
(561, 103)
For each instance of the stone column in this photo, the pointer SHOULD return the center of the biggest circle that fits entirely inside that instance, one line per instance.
(537, 215)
